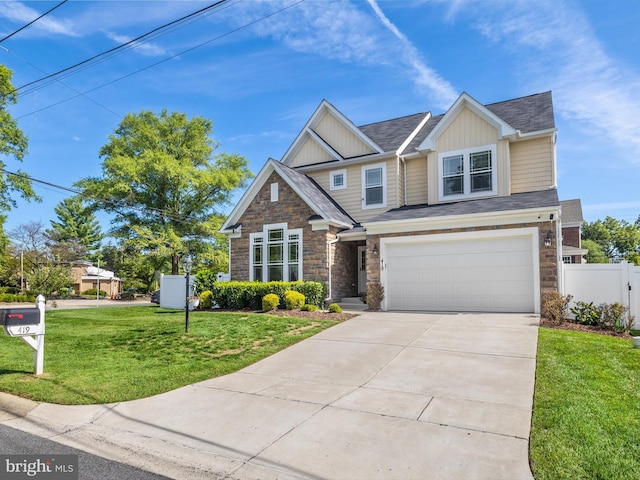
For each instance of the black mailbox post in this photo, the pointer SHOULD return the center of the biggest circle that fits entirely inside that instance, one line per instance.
(19, 316)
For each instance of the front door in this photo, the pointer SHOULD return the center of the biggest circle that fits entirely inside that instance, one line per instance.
(362, 269)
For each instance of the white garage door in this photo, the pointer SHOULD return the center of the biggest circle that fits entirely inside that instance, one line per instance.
(470, 275)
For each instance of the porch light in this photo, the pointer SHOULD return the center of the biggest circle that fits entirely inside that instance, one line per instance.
(375, 249)
(187, 263)
(547, 240)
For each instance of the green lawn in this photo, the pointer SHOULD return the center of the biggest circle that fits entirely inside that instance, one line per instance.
(104, 355)
(586, 417)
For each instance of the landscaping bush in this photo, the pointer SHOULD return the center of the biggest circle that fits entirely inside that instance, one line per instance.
(375, 295)
(613, 316)
(11, 298)
(555, 306)
(206, 300)
(586, 313)
(293, 300)
(335, 308)
(92, 292)
(270, 302)
(309, 308)
(241, 295)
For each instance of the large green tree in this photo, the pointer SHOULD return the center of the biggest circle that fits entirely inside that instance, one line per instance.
(618, 239)
(77, 233)
(13, 144)
(164, 184)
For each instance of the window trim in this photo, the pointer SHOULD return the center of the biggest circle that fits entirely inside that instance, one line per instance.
(333, 174)
(466, 181)
(262, 238)
(365, 169)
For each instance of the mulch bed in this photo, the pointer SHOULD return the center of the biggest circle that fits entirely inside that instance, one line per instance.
(317, 315)
(545, 322)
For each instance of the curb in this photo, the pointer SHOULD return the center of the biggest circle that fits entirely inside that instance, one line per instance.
(12, 406)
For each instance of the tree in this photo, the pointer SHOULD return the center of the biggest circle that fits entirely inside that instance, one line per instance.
(160, 182)
(619, 239)
(77, 234)
(13, 143)
(595, 253)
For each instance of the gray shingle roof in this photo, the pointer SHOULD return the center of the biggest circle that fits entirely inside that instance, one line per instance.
(517, 201)
(390, 134)
(328, 207)
(571, 211)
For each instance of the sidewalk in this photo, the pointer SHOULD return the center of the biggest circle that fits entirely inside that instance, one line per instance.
(384, 395)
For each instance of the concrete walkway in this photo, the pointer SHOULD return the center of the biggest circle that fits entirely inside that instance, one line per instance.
(384, 395)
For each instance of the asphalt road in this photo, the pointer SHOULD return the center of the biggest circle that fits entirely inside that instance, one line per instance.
(90, 467)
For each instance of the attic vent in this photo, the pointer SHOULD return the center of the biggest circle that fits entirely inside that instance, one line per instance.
(274, 192)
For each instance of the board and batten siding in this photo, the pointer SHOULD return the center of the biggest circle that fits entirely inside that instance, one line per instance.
(350, 198)
(341, 139)
(466, 131)
(309, 154)
(532, 165)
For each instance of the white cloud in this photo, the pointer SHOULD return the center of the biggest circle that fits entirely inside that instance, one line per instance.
(21, 15)
(558, 50)
(147, 49)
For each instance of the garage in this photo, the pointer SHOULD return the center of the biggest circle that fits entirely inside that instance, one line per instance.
(466, 272)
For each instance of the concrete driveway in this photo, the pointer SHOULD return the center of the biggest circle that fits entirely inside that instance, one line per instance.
(384, 395)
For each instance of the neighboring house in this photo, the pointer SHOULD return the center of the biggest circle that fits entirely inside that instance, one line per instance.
(453, 212)
(572, 251)
(86, 276)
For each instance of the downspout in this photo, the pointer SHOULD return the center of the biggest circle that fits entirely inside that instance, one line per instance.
(229, 263)
(404, 180)
(330, 244)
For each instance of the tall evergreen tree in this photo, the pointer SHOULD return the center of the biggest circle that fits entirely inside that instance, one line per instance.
(77, 233)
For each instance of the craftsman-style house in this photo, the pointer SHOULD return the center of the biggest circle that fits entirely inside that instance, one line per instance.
(451, 212)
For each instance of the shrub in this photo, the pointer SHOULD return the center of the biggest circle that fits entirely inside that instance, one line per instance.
(11, 298)
(375, 295)
(335, 308)
(613, 316)
(206, 300)
(270, 302)
(240, 295)
(293, 300)
(309, 308)
(93, 292)
(586, 313)
(555, 306)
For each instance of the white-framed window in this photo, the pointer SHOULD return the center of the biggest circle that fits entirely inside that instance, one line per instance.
(274, 192)
(567, 259)
(276, 254)
(338, 179)
(374, 186)
(468, 173)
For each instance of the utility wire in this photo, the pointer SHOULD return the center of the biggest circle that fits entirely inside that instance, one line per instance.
(163, 60)
(114, 203)
(33, 21)
(125, 44)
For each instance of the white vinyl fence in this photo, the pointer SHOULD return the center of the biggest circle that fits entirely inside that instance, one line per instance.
(604, 283)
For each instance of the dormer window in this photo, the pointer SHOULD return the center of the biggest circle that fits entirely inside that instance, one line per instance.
(467, 173)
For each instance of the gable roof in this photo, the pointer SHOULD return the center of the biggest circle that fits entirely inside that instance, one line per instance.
(571, 212)
(390, 134)
(315, 197)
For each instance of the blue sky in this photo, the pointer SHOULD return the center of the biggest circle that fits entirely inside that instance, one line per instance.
(258, 69)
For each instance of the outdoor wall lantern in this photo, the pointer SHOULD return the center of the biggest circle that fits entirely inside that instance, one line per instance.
(375, 249)
(187, 263)
(547, 240)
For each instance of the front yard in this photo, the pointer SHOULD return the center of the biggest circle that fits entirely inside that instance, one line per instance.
(105, 355)
(586, 417)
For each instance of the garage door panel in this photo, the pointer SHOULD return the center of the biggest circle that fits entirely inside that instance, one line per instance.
(491, 274)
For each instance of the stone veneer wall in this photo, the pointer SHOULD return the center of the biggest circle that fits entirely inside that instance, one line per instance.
(344, 271)
(548, 255)
(290, 209)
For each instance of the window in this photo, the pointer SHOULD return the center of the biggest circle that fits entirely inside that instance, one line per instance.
(374, 193)
(274, 192)
(275, 254)
(468, 173)
(337, 180)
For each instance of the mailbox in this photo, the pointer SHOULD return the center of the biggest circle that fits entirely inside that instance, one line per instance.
(19, 316)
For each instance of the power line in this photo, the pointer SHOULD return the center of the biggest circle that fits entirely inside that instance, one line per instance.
(33, 21)
(125, 44)
(164, 60)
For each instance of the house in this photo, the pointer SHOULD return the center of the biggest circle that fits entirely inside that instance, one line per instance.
(86, 276)
(451, 212)
(572, 251)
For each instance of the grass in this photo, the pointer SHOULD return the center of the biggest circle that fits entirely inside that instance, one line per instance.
(586, 417)
(106, 355)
